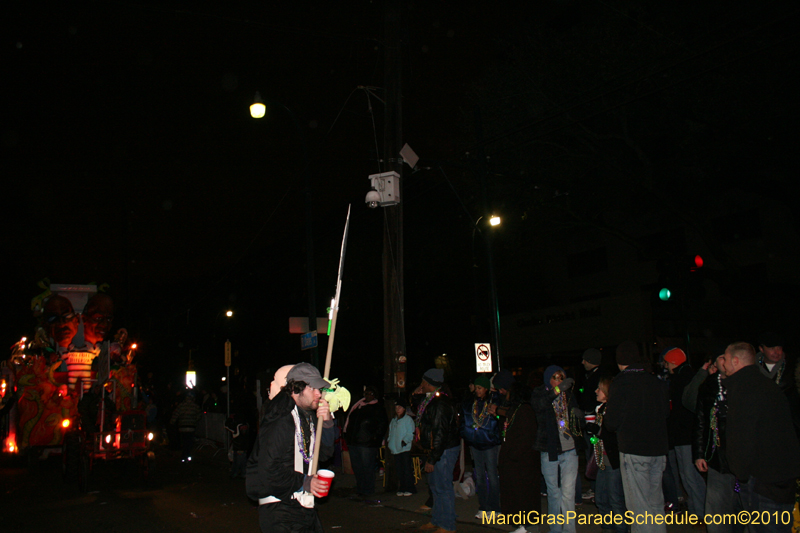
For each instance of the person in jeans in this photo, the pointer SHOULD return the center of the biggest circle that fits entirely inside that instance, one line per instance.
(637, 410)
(481, 431)
(680, 424)
(401, 435)
(708, 449)
(437, 433)
(609, 496)
(557, 439)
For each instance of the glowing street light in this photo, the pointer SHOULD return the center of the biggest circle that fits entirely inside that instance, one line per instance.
(494, 220)
(228, 313)
(257, 108)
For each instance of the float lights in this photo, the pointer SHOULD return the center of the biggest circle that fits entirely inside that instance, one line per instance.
(65, 423)
(664, 294)
(150, 436)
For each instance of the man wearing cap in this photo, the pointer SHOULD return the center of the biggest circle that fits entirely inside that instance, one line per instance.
(637, 409)
(481, 431)
(679, 429)
(762, 450)
(437, 430)
(277, 471)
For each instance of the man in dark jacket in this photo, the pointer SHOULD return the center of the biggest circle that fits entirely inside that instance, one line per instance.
(364, 430)
(762, 448)
(708, 449)
(637, 410)
(437, 431)
(773, 363)
(679, 428)
(277, 471)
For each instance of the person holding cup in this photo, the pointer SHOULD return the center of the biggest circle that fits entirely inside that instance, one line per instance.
(277, 471)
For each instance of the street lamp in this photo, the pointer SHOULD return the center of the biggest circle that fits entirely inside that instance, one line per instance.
(494, 221)
(259, 110)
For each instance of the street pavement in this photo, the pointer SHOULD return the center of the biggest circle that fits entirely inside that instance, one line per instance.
(199, 497)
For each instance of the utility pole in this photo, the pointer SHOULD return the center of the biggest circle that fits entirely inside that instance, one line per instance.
(394, 338)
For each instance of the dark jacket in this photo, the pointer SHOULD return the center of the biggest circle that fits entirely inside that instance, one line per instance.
(488, 434)
(710, 406)
(637, 410)
(681, 420)
(761, 442)
(547, 439)
(367, 426)
(586, 385)
(783, 374)
(438, 428)
(270, 468)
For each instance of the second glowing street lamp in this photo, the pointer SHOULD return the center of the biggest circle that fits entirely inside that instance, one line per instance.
(258, 110)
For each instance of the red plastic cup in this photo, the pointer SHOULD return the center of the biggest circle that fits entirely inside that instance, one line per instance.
(326, 476)
(590, 419)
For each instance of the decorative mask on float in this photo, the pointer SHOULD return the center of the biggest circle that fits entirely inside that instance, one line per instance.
(60, 320)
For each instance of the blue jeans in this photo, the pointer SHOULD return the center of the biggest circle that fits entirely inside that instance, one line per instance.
(754, 502)
(561, 500)
(365, 462)
(487, 480)
(609, 495)
(440, 482)
(691, 479)
(641, 481)
(722, 499)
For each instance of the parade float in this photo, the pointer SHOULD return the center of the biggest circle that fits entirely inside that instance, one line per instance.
(71, 390)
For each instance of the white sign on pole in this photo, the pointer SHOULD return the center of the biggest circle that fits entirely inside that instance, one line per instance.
(483, 357)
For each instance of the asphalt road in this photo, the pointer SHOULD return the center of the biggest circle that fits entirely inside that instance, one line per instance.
(198, 498)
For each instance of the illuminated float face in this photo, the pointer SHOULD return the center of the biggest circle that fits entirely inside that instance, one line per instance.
(60, 320)
(97, 318)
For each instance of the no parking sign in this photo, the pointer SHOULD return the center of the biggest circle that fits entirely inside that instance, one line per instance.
(483, 357)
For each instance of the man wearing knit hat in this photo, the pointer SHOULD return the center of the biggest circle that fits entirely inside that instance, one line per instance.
(437, 431)
(680, 425)
(637, 410)
(481, 431)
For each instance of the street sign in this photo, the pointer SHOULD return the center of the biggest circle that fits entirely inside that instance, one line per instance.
(227, 353)
(483, 357)
(308, 340)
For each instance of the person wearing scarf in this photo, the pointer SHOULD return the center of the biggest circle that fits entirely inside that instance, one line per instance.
(557, 439)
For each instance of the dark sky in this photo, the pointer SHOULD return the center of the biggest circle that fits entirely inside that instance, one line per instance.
(129, 156)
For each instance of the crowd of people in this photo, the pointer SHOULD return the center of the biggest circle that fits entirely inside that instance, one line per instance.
(644, 438)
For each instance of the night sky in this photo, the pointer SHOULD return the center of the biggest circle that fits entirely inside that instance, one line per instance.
(129, 156)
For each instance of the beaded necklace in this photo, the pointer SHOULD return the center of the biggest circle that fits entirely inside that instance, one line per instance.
(508, 422)
(424, 405)
(561, 407)
(479, 416)
(304, 443)
(714, 416)
(599, 449)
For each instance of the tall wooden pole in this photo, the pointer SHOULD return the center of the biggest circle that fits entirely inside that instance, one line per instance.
(394, 339)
